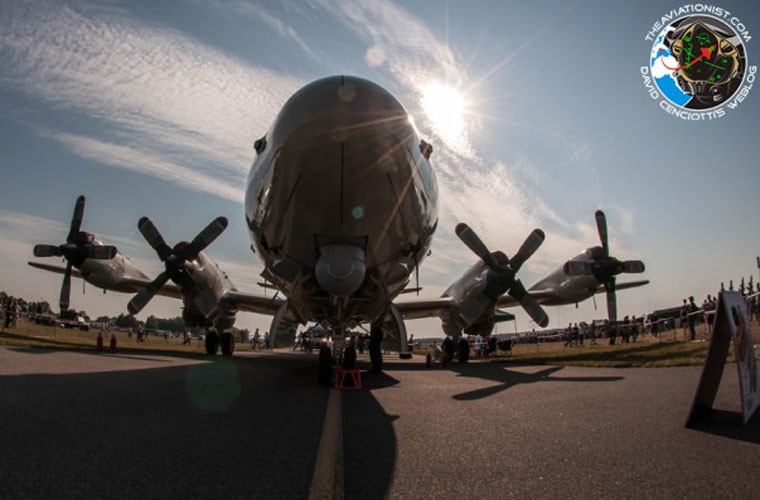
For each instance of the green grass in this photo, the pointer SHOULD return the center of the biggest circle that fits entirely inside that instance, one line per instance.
(642, 354)
(668, 350)
(33, 335)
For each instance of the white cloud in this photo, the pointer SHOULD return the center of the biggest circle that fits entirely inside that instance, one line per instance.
(148, 88)
(168, 106)
(130, 158)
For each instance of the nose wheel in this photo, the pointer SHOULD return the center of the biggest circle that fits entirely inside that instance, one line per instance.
(226, 341)
(325, 373)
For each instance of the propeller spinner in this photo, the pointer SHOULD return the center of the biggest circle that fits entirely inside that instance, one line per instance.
(77, 248)
(604, 267)
(503, 270)
(176, 260)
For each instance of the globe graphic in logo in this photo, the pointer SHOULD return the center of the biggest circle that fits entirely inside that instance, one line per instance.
(698, 62)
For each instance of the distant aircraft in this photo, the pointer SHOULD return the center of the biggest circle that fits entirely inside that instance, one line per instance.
(471, 303)
(210, 299)
(590, 272)
(341, 206)
(90, 259)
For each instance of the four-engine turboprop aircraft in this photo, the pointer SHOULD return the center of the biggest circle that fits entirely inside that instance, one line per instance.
(341, 205)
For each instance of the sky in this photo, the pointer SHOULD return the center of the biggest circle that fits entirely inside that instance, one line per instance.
(152, 108)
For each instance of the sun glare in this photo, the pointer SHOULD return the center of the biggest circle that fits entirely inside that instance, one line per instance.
(444, 106)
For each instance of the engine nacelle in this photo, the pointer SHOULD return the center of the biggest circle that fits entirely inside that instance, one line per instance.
(474, 307)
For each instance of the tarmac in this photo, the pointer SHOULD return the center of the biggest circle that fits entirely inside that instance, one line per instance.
(94, 425)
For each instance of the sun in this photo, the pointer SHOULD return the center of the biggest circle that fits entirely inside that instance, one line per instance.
(445, 107)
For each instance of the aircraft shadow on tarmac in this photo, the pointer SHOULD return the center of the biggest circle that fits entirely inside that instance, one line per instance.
(509, 378)
(245, 427)
(496, 372)
(369, 440)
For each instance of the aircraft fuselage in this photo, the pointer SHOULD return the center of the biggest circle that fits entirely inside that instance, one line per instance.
(341, 202)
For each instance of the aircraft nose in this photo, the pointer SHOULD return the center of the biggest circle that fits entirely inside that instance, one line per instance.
(339, 106)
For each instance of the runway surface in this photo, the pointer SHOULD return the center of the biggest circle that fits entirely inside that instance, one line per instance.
(83, 425)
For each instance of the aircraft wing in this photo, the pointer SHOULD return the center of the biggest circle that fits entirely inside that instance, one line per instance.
(540, 296)
(623, 286)
(426, 308)
(253, 303)
(554, 297)
(55, 269)
(124, 285)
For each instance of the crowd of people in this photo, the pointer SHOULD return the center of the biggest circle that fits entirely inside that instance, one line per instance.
(627, 330)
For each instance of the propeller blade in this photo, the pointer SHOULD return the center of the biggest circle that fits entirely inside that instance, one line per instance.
(142, 297)
(577, 268)
(205, 237)
(63, 302)
(633, 266)
(601, 227)
(47, 251)
(529, 304)
(469, 238)
(528, 248)
(101, 252)
(76, 220)
(611, 300)
(154, 238)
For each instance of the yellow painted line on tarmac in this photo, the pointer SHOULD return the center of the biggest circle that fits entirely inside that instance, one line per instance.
(327, 482)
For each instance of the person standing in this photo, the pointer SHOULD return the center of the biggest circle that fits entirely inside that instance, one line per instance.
(9, 308)
(691, 317)
(256, 344)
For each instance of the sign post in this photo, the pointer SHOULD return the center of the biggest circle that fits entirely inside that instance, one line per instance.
(731, 321)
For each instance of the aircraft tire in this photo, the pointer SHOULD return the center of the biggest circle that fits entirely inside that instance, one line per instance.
(228, 344)
(349, 358)
(464, 350)
(212, 343)
(325, 374)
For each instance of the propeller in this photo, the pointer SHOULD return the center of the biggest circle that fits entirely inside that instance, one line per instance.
(77, 248)
(603, 266)
(176, 267)
(501, 277)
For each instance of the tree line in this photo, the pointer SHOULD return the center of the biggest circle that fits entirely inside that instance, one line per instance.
(174, 325)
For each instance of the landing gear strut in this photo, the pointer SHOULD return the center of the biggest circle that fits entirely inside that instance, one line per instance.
(375, 352)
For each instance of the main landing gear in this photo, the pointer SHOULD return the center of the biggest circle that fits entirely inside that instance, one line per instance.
(214, 341)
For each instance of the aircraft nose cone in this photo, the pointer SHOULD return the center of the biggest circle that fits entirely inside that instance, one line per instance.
(338, 105)
(340, 268)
